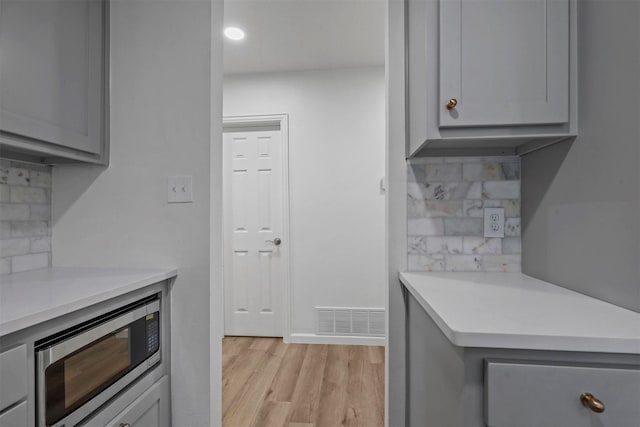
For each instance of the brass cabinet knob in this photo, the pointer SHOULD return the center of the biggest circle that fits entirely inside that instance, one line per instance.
(452, 104)
(590, 401)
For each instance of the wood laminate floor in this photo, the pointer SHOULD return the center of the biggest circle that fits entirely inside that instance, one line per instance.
(266, 383)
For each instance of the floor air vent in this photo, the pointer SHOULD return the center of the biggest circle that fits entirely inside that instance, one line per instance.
(350, 321)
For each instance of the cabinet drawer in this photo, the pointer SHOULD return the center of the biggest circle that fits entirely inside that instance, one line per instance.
(15, 417)
(13, 375)
(151, 409)
(537, 394)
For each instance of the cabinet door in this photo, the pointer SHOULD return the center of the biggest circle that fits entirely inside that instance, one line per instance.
(15, 417)
(51, 68)
(151, 409)
(506, 62)
(13, 374)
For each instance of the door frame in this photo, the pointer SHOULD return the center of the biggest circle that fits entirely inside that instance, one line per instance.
(257, 121)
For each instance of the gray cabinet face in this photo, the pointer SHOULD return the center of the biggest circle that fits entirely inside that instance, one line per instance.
(505, 62)
(52, 70)
(151, 409)
(511, 65)
(537, 394)
(13, 376)
(15, 417)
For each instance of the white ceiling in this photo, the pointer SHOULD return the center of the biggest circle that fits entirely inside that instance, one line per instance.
(285, 35)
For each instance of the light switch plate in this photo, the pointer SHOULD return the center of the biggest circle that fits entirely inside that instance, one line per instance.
(179, 189)
(493, 222)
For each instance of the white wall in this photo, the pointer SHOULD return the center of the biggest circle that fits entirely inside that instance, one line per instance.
(164, 63)
(336, 156)
(580, 200)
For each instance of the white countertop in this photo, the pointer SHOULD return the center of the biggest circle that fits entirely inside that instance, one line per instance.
(32, 297)
(512, 310)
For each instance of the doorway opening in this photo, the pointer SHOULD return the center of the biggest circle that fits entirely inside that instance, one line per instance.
(304, 82)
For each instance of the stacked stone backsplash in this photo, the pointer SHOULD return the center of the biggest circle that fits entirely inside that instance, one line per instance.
(446, 197)
(25, 216)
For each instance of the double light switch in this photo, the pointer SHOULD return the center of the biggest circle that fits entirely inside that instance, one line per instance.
(180, 189)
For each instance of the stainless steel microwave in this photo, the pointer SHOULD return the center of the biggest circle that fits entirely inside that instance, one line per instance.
(81, 368)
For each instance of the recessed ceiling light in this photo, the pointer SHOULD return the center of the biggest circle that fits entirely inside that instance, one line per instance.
(234, 33)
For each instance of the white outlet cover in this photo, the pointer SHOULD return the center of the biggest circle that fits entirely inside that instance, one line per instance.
(493, 222)
(180, 189)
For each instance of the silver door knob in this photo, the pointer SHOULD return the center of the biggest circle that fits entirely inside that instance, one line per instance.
(275, 241)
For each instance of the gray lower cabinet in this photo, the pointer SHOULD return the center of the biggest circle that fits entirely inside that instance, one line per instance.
(145, 402)
(451, 386)
(150, 409)
(13, 387)
(13, 375)
(15, 417)
(490, 75)
(53, 80)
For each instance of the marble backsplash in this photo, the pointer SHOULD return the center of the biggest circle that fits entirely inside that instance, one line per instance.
(446, 197)
(25, 216)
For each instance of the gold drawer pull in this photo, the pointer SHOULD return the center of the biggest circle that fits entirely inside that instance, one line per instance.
(590, 401)
(452, 104)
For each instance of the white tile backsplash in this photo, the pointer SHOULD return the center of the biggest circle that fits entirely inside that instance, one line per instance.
(5, 193)
(25, 216)
(5, 265)
(463, 226)
(501, 190)
(12, 212)
(445, 208)
(29, 262)
(426, 227)
(482, 246)
(12, 247)
(40, 244)
(29, 195)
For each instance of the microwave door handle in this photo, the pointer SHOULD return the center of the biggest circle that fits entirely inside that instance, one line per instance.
(65, 348)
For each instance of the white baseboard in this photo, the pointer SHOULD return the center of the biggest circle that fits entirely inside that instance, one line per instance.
(334, 339)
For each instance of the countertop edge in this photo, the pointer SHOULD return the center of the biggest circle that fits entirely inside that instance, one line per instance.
(442, 325)
(18, 324)
(522, 341)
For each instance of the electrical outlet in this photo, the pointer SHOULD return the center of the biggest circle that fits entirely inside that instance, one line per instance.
(493, 222)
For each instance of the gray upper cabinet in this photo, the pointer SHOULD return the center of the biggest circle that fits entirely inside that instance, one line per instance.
(491, 76)
(505, 62)
(52, 80)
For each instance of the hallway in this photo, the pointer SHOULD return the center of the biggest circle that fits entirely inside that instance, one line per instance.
(268, 383)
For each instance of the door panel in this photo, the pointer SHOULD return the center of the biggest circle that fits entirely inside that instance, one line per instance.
(505, 62)
(266, 285)
(240, 281)
(253, 174)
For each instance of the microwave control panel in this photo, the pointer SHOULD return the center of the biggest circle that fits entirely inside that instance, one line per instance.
(153, 332)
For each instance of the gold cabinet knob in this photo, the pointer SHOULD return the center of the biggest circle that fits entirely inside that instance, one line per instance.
(452, 104)
(590, 401)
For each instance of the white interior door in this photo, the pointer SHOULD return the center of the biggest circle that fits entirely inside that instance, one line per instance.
(254, 255)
